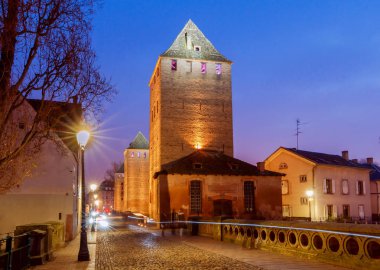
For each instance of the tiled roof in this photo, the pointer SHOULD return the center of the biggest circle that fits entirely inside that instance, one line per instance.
(139, 142)
(321, 158)
(208, 162)
(64, 119)
(374, 174)
(190, 36)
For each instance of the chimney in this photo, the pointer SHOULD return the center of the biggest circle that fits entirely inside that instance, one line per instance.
(369, 160)
(345, 154)
(261, 166)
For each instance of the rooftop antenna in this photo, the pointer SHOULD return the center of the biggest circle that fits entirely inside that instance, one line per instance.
(298, 129)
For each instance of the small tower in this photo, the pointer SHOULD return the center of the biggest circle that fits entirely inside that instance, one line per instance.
(190, 102)
(136, 173)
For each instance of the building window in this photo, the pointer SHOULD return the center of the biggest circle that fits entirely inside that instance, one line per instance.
(138, 154)
(144, 155)
(203, 68)
(189, 66)
(361, 211)
(174, 64)
(218, 69)
(329, 211)
(346, 211)
(197, 48)
(328, 186)
(345, 186)
(303, 178)
(133, 154)
(284, 187)
(360, 188)
(21, 125)
(195, 197)
(286, 210)
(304, 200)
(249, 196)
(283, 166)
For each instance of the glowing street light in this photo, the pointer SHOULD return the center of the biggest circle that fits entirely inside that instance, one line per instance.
(310, 194)
(93, 187)
(83, 254)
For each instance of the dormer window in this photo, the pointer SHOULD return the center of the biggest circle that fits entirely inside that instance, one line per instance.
(235, 166)
(197, 165)
(197, 48)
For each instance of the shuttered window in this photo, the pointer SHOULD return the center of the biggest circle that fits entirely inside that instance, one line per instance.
(195, 197)
(249, 196)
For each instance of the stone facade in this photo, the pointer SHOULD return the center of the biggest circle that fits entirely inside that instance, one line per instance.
(119, 191)
(330, 200)
(190, 105)
(136, 181)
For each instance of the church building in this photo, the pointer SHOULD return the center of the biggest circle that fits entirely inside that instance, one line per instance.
(192, 168)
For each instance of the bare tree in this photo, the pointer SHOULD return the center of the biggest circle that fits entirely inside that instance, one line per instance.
(110, 173)
(45, 54)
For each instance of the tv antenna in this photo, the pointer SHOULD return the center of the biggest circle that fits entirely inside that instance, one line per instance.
(298, 129)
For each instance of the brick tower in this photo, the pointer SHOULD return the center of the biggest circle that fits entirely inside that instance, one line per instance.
(190, 103)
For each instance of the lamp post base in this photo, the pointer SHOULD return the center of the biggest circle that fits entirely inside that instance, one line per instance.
(83, 254)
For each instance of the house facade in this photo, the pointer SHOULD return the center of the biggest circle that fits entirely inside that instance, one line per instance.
(374, 188)
(50, 193)
(321, 186)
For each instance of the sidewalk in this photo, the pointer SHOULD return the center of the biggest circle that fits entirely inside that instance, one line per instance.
(67, 257)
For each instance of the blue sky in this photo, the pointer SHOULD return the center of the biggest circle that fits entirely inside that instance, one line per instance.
(318, 61)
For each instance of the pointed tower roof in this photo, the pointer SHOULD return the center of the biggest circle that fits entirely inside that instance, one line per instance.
(191, 43)
(139, 142)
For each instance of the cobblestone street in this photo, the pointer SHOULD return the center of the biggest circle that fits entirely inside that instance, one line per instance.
(136, 249)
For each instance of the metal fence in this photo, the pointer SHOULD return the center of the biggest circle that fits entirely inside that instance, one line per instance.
(14, 252)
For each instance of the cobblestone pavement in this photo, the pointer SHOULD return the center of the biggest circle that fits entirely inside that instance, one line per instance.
(135, 249)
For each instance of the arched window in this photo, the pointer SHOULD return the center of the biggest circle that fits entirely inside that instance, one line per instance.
(132, 154)
(249, 196)
(195, 197)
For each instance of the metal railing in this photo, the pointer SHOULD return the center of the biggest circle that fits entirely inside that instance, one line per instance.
(14, 252)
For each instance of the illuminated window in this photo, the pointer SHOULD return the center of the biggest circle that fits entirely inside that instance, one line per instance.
(195, 197)
(144, 155)
(303, 178)
(132, 154)
(218, 69)
(197, 48)
(249, 196)
(138, 154)
(361, 211)
(203, 68)
(174, 64)
(345, 186)
(286, 210)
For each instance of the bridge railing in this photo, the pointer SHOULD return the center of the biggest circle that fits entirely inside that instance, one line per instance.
(14, 252)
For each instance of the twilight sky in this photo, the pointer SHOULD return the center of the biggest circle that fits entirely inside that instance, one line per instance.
(318, 61)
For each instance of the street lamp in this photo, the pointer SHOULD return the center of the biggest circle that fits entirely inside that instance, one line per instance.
(309, 194)
(83, 255)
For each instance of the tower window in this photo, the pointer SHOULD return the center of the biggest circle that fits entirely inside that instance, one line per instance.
(218, 69)
(21, 125)
(197, 48)
(203, 68)
(174, 64)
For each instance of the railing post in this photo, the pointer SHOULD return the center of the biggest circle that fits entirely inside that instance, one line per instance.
(8, 249)
(28, 247)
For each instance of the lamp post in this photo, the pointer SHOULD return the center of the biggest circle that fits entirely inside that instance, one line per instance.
(83, 254)
(93, 188)
(309, 194)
